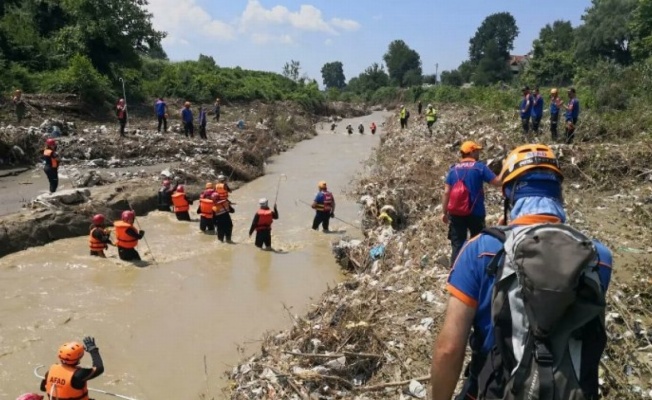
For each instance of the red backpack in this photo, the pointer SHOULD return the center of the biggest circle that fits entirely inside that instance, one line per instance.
(459, 203)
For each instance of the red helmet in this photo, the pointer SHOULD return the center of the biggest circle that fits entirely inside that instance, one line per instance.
(128, 216)
(98, 219)
(50, 143)
(215, 196)
(181, 189)
(166, 183)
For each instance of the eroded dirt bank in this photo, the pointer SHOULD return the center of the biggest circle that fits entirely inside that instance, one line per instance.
(370, 337)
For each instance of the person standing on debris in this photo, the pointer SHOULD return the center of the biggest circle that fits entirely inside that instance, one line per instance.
(19, 105)
(419, 107)
(202, 120)
(555, 106)
(403, 116)
(572, 114)
(431, 117)
(482, 274)
(526, 109)
(165, 195)
(324, 206)
(187, 118)
(222, 211)
(217, 109)
(99, 237)
(161, 114)
(373, 128)
(205, 210)
(67, 380)
(51, 164)
(537, 110)
(181, 204)
(262, 224)
(463, 199)
(121, 112)
(127, 236)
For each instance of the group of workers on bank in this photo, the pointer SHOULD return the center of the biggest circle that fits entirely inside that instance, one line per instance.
(531, 110)
(430, 115)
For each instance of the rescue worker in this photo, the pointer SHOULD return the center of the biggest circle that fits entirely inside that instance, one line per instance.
(419, 107)
(208, 191)
(205, 210)
(127, 236)
(165, 195)
(222, 188)
(537, 110)
(532, 180)
(187, 118)
(222, 211)
(99, 238)
(216, 109)
(324, 206)
(262, 224)
(349, 129)
(373, 128)
(161, 109)
(555, 106)
(472, 174)
(181, 204)
(526, 109)
(202, 120)
(67, 380)
(30, 396)
(431, 117)
(51, 164)
(361, 128)
(121, 112)
(572, 114)
(403, 116)
(19, 105)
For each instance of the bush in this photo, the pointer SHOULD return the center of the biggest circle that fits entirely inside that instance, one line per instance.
(79, 78)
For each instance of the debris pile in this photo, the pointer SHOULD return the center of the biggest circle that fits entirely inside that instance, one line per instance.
(370, 337)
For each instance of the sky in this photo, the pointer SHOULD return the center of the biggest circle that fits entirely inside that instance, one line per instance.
(265, 34)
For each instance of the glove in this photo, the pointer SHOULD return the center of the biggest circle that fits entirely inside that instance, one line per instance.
(141, 233)
(332, 215)
(89, 344)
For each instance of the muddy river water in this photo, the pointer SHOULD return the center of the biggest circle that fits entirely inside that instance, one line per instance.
(157, 324)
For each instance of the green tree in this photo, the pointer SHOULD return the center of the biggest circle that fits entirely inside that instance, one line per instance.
(452, 78)
(333, 75)
(497, 29)
(401, 59)
(552, 62)
(641, 27)
(492, 67)
(372, 79)
(606, 33)
(292, 70)
(553, 38)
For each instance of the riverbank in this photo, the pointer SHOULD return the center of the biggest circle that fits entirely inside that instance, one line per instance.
(371, 335)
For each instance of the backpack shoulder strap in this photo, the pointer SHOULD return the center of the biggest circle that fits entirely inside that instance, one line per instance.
(501, 235)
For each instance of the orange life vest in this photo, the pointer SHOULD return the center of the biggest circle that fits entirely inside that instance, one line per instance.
(123, 239)
(180, 202)
(206, 208)
(221, 207)
(60, 376)
(265, 219)
(53, 161)
(96, 245)
(327, 205)
(221, 191)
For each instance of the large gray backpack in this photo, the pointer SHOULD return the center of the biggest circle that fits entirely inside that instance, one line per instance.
(548, 310)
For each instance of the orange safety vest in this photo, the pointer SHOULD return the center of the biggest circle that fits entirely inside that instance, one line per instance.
(265, 220)
(221, 207)
(206, 208)
(221, 191)
(123, 239)
(327, 205)
(95, 244)
(54, 161)
(60, 376)
(180, 202)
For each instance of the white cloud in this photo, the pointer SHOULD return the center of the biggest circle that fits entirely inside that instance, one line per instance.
(265, 38)
(328, 42)
(345, 24)
(182, 19)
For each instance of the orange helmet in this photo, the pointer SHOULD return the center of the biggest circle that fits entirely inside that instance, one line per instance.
(70, 353)
(525, 158)
(321, 185)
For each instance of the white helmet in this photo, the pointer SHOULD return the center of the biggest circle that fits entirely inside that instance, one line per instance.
(263, 202)
(429, 105)
(221, 178)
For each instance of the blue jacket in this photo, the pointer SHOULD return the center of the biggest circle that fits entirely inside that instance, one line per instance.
(474, 174)
(186, 115)
(537, 109)
(574, 112)
(160, 108)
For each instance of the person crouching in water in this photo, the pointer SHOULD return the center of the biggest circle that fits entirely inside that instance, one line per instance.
(205, 210)
(100, 237)
(262, 224)
(222, 211)
(324, 206)
(67, 380)
(181, 204)
(127, 236)
(165, 195)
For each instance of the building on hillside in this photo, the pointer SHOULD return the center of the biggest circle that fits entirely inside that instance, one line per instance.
(517, 63)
